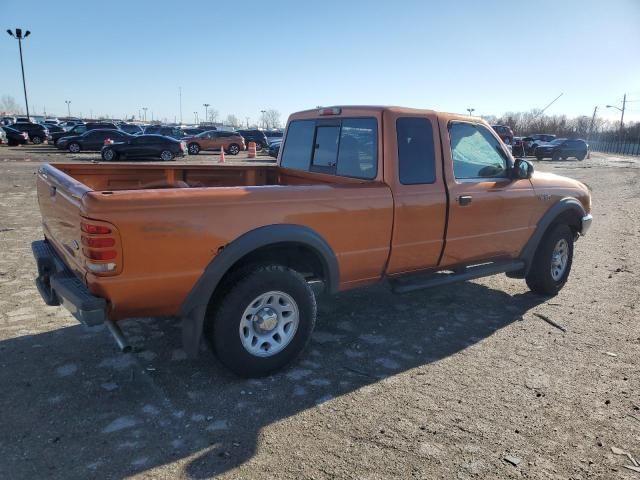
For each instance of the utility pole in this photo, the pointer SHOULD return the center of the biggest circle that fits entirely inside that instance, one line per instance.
(624, 104)
(206, 111)
(68, 102)
(144, 109)
(471, 110)
(19, 37)
(195, 117)
(263, 118)
(593, 121)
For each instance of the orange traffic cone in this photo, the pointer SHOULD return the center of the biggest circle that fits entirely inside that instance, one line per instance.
(252, 150)
(221, 155)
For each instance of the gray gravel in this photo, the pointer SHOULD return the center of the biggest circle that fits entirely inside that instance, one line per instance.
(460, 382)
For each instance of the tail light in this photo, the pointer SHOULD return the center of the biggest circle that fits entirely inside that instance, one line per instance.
(100, 247)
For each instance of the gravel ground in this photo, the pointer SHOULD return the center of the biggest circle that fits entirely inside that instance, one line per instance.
(463, 381)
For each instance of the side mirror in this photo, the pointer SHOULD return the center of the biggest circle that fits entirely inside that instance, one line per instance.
(522, 169)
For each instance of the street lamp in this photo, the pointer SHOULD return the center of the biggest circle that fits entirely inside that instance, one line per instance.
(263, 117)
(18, 36)
(471, 110)
(624, 104)
(68, 102)
(206, 111)
(144, 109)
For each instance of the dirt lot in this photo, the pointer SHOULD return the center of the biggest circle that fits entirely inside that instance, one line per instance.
(461, 382)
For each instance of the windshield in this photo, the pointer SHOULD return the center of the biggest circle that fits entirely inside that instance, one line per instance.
(558, 141)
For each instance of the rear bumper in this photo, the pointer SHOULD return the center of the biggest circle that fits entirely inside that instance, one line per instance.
(586, 224)
(59, 286)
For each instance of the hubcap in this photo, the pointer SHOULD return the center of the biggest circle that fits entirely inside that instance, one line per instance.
(269, 324)
(74, 148)
(165, 155)
(234, 149)
(108, 154)
(559, 259)
(193, 149)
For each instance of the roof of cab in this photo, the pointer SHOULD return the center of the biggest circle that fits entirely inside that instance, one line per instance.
(355, 109)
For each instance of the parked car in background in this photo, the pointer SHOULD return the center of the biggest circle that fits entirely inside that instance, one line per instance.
(51, 121)
(273, 135)
(232, 142)
(274, 148)
(91, 140)
(80, 129)
(190, 131)
(15, 137)
(255, 135)
(53, 128)
(145, 146)
(517, 147)
(3, 136)
(131, 128)
(504, 132)
(69, 124)
(533, 141)
(37, 133)
(173, 132)
(563, 148)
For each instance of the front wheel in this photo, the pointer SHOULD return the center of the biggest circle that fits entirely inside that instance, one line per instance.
(193, 149)
(264, 321)
(555, 157)
(552, 261)
(36, 140)
(539, 157)
(581, 156)
(74, 147)
(167, 155)
(234, 149)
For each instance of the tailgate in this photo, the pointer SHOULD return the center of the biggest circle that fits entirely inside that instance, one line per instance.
(60, 199)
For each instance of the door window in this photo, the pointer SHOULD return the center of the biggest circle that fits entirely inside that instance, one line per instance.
(476, 153)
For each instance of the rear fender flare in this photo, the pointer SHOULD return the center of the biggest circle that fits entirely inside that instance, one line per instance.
(194, 308)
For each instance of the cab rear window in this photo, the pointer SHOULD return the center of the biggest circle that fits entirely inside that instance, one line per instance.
(345, 146)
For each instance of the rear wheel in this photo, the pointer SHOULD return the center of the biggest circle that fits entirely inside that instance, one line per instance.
(552, 261)
(74, 147)
(539, 157)
(109, 155)
(263, 322)
(234, 149)
(193, 149)
(167, 155)
(581, 156)
(36, 139)
(555, 157)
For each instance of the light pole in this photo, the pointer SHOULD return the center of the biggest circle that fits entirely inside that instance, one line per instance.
(195, 116)
(624, 104)
(144, 109)
(18, 35)
(206, 111)
(263, 119)
(68, 102)
(471, 110)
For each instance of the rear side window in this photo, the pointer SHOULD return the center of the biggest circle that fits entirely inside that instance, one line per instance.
(297, 150)
(416, 153)
(346, 147)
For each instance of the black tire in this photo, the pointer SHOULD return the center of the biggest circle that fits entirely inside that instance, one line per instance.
(564, 158)
(581, 156)
(167, 155)
(223, 325)
(72, 146)
(555, 157)
(540, 279)
(539, 157)
(193, 149)
(36, 139)
(234, 149)
(109, 155)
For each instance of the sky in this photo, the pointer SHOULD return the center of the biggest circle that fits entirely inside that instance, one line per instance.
(113, 58)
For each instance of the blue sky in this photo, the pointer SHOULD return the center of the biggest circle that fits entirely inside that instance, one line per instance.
(241, 57)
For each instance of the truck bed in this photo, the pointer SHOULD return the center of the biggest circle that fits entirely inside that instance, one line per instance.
(171, 221)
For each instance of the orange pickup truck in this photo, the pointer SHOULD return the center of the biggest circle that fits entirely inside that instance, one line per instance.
(359, 195)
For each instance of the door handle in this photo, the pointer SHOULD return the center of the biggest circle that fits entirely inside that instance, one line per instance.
(464, 200)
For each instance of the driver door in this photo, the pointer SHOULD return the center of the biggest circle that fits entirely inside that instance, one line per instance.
(489, 213)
